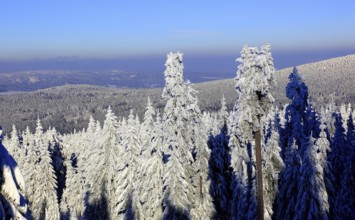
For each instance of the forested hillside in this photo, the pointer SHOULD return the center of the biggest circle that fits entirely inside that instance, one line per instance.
(177, 162)
(68, 107)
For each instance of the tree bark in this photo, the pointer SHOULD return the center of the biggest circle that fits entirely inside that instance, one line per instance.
(259, 173)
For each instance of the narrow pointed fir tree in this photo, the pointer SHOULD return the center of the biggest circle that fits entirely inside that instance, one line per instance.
(219, 163)
(312, 198)
(12, 187)
(254, 79)
(336, 158)
(151, 194)
(43, 203)
(288, 187)
(14, 147)
(177, 183)
(91, 125)
(128, 202)
(273, 165)
(103, 179)
(202, 205)
(28, 169)
(295, 112)
(345, 201)
(323, 149)
(345, 113)
(54, 140)
(293, 137)
(223, 114)
(208, 123)
(148, 125)
(312, 123)
(86, 150)
(72, 205)
(238, 207)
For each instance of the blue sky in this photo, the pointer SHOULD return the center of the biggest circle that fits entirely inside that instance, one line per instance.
(109, 30)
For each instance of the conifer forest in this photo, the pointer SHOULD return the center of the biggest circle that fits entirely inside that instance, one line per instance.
(181, 163)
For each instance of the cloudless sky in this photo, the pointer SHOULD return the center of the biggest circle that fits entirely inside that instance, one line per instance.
(114, 29)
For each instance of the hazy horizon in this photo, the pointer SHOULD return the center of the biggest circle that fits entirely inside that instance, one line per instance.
(204, 63)
(135, 36)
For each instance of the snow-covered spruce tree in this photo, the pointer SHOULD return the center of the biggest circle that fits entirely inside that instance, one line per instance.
(294, 133)
(337, 158)
(151, 194)
(328, 119)
(30, 171)
(132, 145)
(312, 198)
(323, 149)
(345, 113)
(345, 200)
(176, 143)
(219, 165)
(312, 123)
(54, 140)
(202, 205)
(12, 187)
(288, 187)
(86, 149)
(43, 202)
(72, 205)
(223, 115)
(295, 115)
(254, 79)
(208, 123)
(147, 127)
(273, 165)
(240, 160)
(103, 179)
(14, 147)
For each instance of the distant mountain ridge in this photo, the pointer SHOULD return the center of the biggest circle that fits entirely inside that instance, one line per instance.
(69, 106)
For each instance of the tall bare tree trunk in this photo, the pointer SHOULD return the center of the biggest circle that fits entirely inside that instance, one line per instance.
(259, 173)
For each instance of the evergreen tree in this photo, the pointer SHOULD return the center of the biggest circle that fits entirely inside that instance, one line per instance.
(30, 172)
(203, 207)
(132, 145)
(345, 113)
(312, 123)
(87, 149)
(312, 198)
(273, 165)
(43, 201)
(177, 182)
(294, 135)
(254, 79)
(14, 146)
(323, 149)
(239, 184)
(73, 201)
(288, 187)
(345, 200)
(336, 159)
(54, 140)
(186, 180)
(295, 115)
(148, 126)
(151, 194)
(219, 164)
(103, 180)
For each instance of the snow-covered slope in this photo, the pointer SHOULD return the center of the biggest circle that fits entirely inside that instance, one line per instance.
(68, 107)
